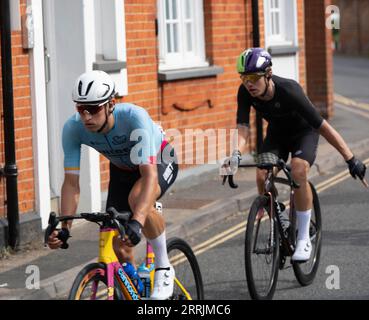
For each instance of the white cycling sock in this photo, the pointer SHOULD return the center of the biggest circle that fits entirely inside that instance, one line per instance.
(303, 224)
(159, 246)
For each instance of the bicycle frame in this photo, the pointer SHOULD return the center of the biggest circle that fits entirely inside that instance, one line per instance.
(113, 269)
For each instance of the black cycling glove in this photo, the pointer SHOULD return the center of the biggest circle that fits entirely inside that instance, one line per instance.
(63, 236)
(357, 168)
(133, 231)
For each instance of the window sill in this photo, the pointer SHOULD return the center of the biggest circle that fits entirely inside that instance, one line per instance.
(190, 73)
(109, 65)
(284, 50)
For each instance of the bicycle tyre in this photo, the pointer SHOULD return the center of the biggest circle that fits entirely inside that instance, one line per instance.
(253, 228)
(92, 272)
(303, 277)
(183, 253)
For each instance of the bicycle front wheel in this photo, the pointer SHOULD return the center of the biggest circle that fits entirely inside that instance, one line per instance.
(305, 272)
(261, 250)
(188, 283)
(91, 284)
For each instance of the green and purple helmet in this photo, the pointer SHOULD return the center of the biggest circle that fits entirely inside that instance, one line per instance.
(254, 60)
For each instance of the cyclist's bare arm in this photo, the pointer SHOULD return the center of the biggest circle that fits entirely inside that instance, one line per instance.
(69, 196)
(243, 136)
(335, 139)
(148, 193)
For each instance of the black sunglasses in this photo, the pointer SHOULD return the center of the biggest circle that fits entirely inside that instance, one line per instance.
(92, 109)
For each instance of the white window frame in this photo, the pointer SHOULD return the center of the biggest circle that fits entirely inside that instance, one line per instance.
(280, 7)
(183, 58)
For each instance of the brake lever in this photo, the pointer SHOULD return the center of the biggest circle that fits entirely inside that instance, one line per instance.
(52, 224)
(113, 213)
(121, 229)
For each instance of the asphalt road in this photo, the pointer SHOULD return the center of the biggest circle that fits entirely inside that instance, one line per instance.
(345, 212)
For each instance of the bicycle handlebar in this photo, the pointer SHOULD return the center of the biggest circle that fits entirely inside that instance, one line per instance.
(112, 216)
(281, 164)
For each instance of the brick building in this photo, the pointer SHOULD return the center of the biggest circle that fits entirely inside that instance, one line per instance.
(353, 34)
(174, 58)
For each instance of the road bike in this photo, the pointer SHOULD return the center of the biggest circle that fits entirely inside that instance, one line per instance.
(107, 280)
(268, 243)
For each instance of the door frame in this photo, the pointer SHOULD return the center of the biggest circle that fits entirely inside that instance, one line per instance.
(39, 117)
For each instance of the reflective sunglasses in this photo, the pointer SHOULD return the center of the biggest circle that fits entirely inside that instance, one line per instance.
(252, 77)
(92, 109)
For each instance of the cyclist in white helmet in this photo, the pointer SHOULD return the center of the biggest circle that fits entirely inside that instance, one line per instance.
(142, 167)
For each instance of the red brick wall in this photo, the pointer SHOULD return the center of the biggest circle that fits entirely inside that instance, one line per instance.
(319, 65)
(354, 27)
(23, 127)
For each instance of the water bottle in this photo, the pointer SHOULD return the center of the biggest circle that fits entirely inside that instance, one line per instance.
(144, 274)
(131, 272)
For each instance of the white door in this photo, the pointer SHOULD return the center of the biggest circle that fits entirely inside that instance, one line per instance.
(69, 51)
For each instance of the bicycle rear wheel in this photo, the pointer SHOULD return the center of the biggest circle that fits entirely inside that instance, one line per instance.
(91, 284)
(188, 284)
(261, 250)
(306, 272)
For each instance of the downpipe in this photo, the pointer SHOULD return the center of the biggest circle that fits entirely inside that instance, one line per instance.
(256, 43)
(10, 171)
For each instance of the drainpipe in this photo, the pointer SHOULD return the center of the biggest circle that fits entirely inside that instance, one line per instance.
(10, 170)
(256, 43)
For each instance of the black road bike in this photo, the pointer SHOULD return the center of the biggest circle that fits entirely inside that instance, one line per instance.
(268, 243)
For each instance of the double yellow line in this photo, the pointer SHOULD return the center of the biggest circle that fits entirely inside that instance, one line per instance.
(240, 228)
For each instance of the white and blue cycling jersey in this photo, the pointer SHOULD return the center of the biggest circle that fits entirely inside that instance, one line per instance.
(135, 139)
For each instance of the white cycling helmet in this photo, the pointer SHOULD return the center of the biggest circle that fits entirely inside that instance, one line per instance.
(93, 87)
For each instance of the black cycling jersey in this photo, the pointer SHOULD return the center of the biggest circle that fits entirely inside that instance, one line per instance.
(290, 112)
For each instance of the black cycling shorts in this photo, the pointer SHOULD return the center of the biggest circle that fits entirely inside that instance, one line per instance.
(303, 146)
(122, 181)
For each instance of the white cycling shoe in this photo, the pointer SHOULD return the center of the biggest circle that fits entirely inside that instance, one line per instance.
(163, 283)
(302, 251)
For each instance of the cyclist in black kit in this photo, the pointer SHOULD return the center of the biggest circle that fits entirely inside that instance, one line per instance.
(294, 126)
